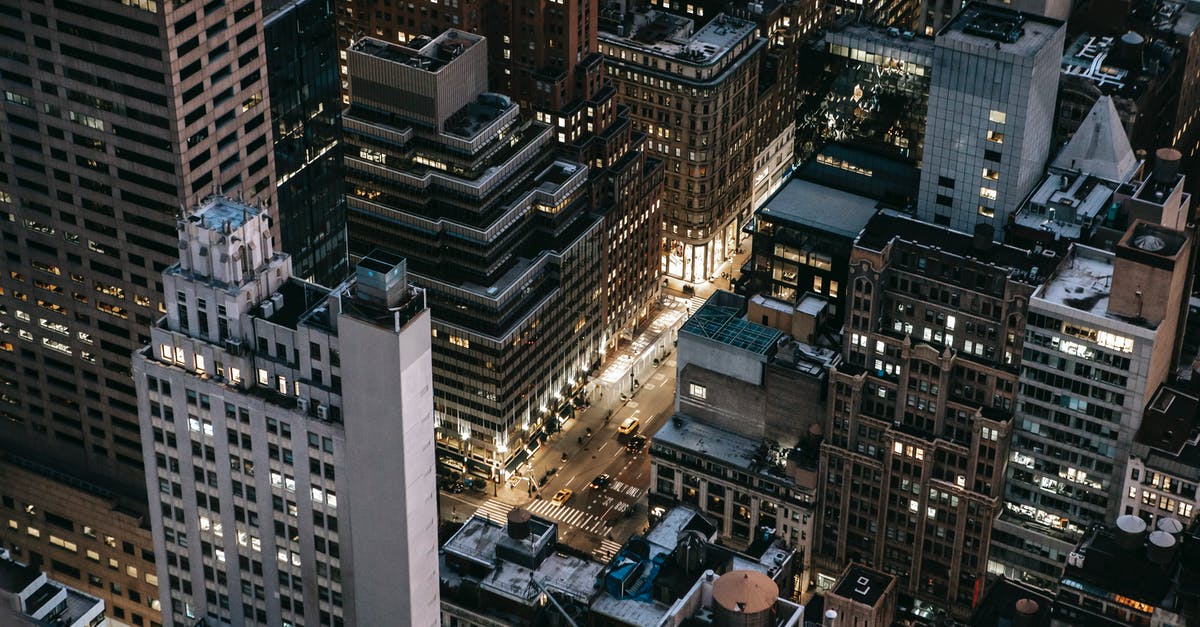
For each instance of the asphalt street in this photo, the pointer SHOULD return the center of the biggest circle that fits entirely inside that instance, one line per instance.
(593, 520)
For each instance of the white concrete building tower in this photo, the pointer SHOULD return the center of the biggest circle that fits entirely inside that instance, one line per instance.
(991, 109)
(290, 429)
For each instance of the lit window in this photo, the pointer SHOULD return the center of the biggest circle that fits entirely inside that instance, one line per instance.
(698, 391)
(263, 378)
(167, 353)
(996, 137)
(235, 375)
(199, 362)
(898, 448)
(987, 192)
(950, 322)
(997, 116)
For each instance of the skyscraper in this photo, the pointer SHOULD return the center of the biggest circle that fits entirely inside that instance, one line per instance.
(116, 114)
(912, 467)
(1100, 340)
(266, 394)
(991, 113)
(688, 90)
(495, 227)
(306, 112)
(544, 55)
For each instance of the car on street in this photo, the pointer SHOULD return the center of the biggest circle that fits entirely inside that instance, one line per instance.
(629, 425)
(636, 444)
(601, 481)
(562, 496)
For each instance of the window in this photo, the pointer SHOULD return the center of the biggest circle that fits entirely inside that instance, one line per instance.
(996, 137)
(987, 211)
(988, 193)
(998, 117)
(947, 182)
(698, 391)
(990, 174)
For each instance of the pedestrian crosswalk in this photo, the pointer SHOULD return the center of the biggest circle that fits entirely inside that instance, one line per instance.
(608, 549)
(494, 510)
(569, 516)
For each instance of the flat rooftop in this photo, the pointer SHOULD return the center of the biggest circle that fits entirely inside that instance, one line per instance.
(888, 225)
(985, 25)
(297, 298)
(863, 585)
(1109, 568)
(425, 53)
(216, 212)
(16, 577)
(1087, 57)
(905, 46)
(673, 36)
(724, 323)
(1083, 281)
(1170, 421)
(822, 208)
(477, 541)
(1064, 201)
(469, 120)
(682, 432)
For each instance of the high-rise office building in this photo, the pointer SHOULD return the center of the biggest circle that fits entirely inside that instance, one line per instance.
(912, 467)
(544, 55)
(688, 89)
(991, 112)
(1101, 338)
(306, 111)
(115, 115)
(260, 397)
(861, 118)
(495, 228)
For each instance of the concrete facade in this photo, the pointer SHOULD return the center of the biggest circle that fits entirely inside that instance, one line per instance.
(1093, 357)
(243, 382)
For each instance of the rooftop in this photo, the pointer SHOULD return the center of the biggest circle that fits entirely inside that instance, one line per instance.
(998, 608)
(1065, 202)
(981, 25)
(720, 320)
(888, 225)
(823, 208)
(293, 300)
(422, 52)
(221, 212)
(478, 540)
(750, 455)
(1111, 561)
(894, 44)
(469, 120)
(863, 585)
(1169, 422)
(673, 36)
(16, 577)
(1082, 282)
